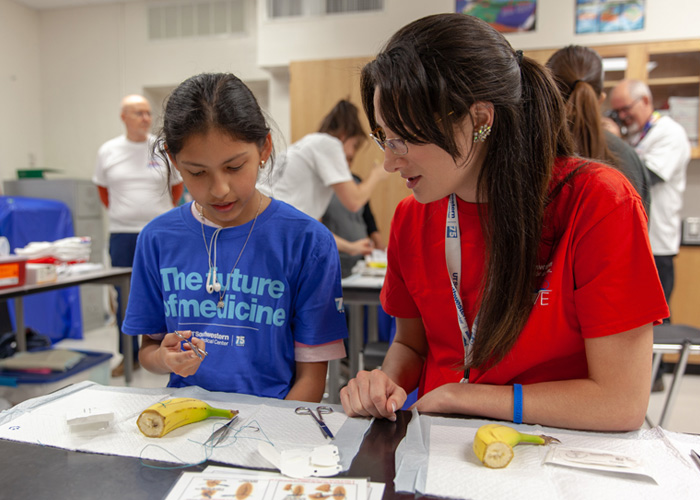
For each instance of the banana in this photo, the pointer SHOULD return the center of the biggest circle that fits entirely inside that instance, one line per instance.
(159, 419)
(493, 444)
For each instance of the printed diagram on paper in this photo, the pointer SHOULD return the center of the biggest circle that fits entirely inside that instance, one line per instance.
(196, 486)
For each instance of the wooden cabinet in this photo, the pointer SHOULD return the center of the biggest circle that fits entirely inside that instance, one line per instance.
(671, 69)
(685, 299)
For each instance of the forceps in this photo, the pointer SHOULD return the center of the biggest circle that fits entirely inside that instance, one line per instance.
(321, 410)
(221, 433)
(199, 352)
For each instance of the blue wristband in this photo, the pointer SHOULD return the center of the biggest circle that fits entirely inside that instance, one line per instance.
(517, 404)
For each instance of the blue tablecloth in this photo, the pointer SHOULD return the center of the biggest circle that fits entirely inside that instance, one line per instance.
(57, 313)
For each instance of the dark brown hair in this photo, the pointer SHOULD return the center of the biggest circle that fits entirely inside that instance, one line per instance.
(343, 122)
(578, 72)
(428, 76)
(211, 101)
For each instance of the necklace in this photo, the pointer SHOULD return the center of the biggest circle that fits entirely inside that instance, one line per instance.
(211, 277)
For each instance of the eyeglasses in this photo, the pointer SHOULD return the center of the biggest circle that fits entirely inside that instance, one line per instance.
(626, 109)
(396, 145)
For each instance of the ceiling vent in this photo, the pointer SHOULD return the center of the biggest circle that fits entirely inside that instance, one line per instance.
(196, 19)
(296, 8)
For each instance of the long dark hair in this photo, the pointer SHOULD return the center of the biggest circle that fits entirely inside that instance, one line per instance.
(211, 101)
(428, 76)
(578, 72)
(343, 121)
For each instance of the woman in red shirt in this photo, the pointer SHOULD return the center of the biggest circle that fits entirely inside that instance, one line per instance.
(520, 275)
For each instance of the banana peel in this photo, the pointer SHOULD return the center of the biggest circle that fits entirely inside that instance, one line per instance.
(494, 443)
(162, 417)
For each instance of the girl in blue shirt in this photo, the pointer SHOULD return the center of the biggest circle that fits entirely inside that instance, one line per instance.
(250, 281)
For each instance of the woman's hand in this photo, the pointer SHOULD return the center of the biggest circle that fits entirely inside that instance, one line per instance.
(443, 399)
(372, 394)
(360, 247)
(177, 356)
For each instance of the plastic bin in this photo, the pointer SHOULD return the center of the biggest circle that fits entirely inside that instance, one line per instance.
(18, 386)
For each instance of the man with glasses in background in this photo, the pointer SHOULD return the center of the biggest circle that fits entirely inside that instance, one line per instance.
(663, 145)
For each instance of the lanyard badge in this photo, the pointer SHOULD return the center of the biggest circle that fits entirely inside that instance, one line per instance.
(453, 257)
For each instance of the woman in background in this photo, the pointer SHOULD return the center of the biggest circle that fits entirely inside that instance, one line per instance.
(578, 72)
(318, 166)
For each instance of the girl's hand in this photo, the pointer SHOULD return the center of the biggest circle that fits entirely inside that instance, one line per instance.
(372, 394)
(177, 356)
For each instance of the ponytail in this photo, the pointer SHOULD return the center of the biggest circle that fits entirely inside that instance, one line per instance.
(578, 72)
(516, 230)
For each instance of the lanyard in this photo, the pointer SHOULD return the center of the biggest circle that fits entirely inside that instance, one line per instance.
(647, 126)
(453, 256)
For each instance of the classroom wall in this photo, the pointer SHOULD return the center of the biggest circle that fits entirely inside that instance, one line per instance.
(104, 55)
(20, 84)
(65, 70)
(359, 35)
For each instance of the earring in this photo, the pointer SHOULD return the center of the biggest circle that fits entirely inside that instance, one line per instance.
(262, 164)
(482, 133)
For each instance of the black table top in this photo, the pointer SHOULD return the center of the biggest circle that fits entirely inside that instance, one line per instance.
(43, 472)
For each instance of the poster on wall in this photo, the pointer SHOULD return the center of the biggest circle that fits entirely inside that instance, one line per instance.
(507, 16)
(597, 16)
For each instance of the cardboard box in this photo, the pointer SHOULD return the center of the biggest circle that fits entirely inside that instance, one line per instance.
(36, 274)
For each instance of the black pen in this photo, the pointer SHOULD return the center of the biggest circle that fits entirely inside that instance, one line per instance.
(696, 458)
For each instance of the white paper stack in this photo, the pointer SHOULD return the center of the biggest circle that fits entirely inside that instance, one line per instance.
(685, 111)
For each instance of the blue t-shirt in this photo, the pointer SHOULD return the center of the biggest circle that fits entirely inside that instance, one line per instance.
(285, 288)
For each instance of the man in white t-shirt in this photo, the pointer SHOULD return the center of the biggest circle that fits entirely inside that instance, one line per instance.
(663, 145)
(133, 186)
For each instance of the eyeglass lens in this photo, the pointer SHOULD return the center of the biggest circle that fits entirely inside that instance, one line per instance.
(626, 109)
(396, 145)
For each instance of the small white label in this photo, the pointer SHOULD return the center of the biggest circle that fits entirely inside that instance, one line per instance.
(604, 460)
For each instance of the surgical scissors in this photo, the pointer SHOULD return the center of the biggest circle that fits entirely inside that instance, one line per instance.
(321, 410)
